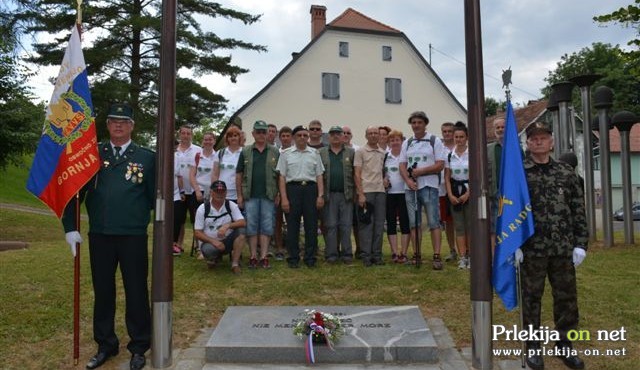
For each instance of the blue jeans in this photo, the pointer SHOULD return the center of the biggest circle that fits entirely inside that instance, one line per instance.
(427, 197)
(260, 216)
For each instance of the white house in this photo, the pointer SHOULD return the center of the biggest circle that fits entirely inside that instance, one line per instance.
(355, 71)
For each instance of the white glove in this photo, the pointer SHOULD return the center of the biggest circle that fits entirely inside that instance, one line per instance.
(73, 237)
(518, 256)
(579, 255)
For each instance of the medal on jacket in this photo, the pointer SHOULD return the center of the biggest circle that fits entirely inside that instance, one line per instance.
(134, 173)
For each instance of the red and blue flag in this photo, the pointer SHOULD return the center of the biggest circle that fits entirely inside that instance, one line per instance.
(67, 155)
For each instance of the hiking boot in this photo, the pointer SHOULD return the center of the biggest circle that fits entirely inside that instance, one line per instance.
(265, 263)
(462, 263)
(451, 257)
(236, 270)
(253, 262)
(437, 262)
(177, 250)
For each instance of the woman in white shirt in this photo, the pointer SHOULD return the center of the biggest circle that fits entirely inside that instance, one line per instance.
(201, 167)
(396, 204)
(456, 175)
(226, 161)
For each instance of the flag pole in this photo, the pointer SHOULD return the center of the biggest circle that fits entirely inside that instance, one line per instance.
(519, 295)
(76, 259)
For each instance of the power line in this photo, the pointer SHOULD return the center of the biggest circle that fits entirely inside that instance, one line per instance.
(485, 74)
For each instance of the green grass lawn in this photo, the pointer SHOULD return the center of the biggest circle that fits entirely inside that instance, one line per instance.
(36, 295)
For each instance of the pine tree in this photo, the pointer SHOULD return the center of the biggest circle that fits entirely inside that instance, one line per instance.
(122, 52)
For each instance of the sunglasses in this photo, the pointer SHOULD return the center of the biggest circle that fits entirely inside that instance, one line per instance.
(315, 129)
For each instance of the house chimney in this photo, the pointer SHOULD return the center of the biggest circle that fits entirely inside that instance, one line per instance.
(318, 19)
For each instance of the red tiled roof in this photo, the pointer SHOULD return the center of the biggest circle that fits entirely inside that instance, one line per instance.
(524, 116)
(351, 18)
(634, 139)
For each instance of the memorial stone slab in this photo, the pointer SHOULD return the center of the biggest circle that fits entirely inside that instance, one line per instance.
(373, 334)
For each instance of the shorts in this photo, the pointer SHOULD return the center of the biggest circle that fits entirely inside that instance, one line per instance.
(260, 216)
(427, 197)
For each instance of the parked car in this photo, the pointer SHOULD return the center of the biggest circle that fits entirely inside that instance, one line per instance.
(635, 212)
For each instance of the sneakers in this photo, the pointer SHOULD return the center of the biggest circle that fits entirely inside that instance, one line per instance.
(265, 263)
(279, 256)
(253, 263)
(211, 264)
(401, 259)
(437, 262)
(451, 257)
(464, 263)
(177, 250)
(236, 270)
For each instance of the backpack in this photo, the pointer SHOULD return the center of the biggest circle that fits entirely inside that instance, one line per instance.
(207, 209)
(432, 141)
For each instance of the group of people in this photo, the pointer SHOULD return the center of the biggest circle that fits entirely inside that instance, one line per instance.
(235, 195)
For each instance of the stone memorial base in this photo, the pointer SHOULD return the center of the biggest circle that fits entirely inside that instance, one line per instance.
(373, 334)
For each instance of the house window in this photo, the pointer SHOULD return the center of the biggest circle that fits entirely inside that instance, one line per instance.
(386, 53)
(330, 86)
(393, 90)
(343, 49)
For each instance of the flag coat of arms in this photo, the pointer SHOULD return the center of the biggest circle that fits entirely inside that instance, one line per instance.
(515, 219)
(67, 155)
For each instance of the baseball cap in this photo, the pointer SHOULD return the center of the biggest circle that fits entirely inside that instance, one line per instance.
(218, 185)
(260, 125)
(335, 129)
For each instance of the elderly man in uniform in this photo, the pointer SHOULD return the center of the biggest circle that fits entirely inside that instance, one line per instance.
(119, 200)
(337, 160)
(557, 246)
(302, 195)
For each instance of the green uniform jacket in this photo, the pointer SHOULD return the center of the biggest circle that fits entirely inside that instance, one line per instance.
(272, 175)
(557, 202)
(347, 168)
(121, 195)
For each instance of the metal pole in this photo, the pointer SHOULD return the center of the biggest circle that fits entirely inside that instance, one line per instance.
(563, 91)
(552, 106)
(585, 82)
(481, 290)
(624, 121)
(626, 187)
(162, 272)
(603, 101)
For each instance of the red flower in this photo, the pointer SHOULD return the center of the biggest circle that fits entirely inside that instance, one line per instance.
(318, 319)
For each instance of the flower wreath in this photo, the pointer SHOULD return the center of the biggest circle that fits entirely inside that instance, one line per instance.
(318, 327)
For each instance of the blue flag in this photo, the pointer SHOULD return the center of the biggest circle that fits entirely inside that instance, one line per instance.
(515, 220)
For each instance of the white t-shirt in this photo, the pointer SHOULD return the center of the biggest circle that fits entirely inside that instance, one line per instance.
(216, 219)
(421, 152)
(459, 165)
(442, 191)
(184, 158)
(228, 170)
(203, 170)
(392, 171)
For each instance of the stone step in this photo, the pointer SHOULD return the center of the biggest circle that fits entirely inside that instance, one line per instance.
(374, 335)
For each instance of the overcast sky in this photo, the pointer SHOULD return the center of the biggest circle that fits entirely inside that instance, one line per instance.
(528, 35)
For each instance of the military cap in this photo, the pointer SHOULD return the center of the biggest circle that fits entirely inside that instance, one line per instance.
(299, 128)
(538, 127)
(121, 111)
(218, 185)
(335, 129)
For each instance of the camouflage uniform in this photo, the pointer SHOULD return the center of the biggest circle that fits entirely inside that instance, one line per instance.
(560, 225)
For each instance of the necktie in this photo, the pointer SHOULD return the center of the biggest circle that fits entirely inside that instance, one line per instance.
(117, 149)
